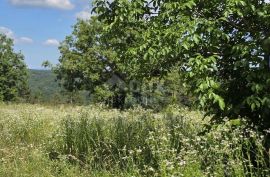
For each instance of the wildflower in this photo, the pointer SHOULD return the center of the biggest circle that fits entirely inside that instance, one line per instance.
(151, 169)
(164, 138)
(138, 151)
(124, 158)
(267, 131)
(182, 163)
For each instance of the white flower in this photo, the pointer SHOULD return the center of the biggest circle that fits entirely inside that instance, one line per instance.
(182, 163)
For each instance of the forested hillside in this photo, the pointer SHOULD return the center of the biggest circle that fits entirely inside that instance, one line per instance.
(43, 81)
(45, 89)
(43, 84)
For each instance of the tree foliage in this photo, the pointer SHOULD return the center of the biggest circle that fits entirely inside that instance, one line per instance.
(221, 46)
(13, 72)
(88, 60)
(92, 59)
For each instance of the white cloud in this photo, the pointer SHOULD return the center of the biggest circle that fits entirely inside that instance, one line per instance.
(51, 42)
(84, 14)
(17, 40)
(59, 4)
(24, 40)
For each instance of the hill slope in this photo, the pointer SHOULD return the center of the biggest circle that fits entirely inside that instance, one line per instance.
(43, 83)
(44, 88)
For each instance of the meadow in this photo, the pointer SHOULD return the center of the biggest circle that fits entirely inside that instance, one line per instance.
(38, 140)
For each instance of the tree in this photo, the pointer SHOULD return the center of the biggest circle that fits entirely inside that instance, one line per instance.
(92, 59)
(221, 46)
(13, 72)
(88, 60)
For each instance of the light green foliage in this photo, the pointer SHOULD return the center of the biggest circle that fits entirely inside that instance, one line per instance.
(94, 60)
(13, 72)
(95, 141)
(80, 65)
(88, 60)
(221, 46)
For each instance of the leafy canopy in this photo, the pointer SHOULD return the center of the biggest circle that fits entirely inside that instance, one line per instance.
(92, 59)
(88, 60)
(221, 46)
(13, 72)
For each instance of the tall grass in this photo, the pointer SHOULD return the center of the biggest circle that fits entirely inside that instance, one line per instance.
(168, 144)
(95, 141)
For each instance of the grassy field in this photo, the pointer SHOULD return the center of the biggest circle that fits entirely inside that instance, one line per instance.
(95, 141)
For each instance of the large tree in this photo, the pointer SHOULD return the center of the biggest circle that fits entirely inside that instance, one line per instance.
(95, 59)
(13, 72)
(89, 61)
(221, 46)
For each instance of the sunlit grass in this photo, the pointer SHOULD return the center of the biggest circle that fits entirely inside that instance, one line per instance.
(95, 141)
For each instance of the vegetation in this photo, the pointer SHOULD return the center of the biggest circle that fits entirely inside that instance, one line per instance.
(95, 141)
(13, 72)
(43, 85)
(90, 61)
(221, 47)
(136, 56)
(45, 89)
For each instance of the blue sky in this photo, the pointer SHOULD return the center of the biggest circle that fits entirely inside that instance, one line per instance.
(37, 26)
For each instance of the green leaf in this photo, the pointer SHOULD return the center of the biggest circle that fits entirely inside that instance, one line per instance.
(185, 46)
(221, 104)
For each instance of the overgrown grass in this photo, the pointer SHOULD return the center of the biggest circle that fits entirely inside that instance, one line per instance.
(95, 141)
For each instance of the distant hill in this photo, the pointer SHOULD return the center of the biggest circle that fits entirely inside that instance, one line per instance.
(44, 88)
(43, 83)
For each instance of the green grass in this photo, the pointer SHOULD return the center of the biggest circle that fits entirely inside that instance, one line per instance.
(95, 141)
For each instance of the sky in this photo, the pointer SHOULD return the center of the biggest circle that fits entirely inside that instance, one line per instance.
(38, 26)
